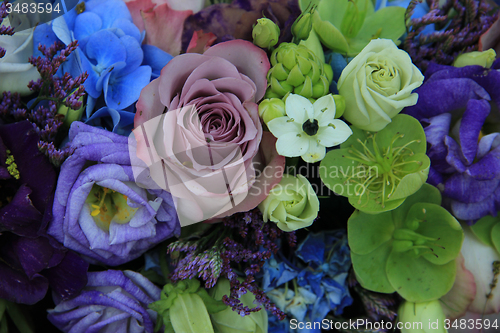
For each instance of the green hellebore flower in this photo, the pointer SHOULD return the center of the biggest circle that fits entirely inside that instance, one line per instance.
(426, 317)
(185, 308)
(265, 33)
(378, 170)
(292, 204)
(271, 108)
(347, 26)
(229, 321)
(296, 69)
(484, 59)
(487, 230)
(411, 249)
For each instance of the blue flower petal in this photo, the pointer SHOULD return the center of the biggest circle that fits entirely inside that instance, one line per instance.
(86, 24)
(106, 49)
(156, 58)
(123, 91)
(128, 28)
(470, 127)
(312, 249)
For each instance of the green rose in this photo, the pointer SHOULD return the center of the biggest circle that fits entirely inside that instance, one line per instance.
(229, 321)
(292, 204)
(377, 84)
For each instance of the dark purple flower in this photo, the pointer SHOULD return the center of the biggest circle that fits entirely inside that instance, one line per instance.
(459, 110)
(99, 210)
(112, 301)
(30, 260)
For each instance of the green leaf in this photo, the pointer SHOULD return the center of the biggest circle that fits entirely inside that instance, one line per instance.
(367, 232)
(329, 35)
(188, 314)
(213, 306)
(438, 223)
(387, 23)
(483, 229)
(418, 280)
(370, 269)
(495, 236)
(19, 318)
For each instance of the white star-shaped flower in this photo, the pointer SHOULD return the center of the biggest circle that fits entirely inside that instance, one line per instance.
(307, 129)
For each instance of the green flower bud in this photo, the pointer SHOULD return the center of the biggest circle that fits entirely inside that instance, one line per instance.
(229, 321)
(296, 69)
(340, 105)
(484, 59)
(423, 317)
(70, 115)
(265, 33)
(303, 24)
(271, 108)
(292, 204)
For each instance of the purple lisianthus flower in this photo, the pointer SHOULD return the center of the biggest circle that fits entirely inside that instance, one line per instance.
(99, 209)
(455, 107)
(30, 260)
(113, 301)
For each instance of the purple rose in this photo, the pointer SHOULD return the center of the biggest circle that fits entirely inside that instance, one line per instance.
(30, 260)
(99, 210)
(113, 301)
(455, 107)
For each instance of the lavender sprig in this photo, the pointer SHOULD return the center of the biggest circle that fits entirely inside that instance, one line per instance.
(53, 92)
(465, 21)
(242, 240)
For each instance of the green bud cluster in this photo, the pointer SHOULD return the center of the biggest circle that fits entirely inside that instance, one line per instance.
(296, 69)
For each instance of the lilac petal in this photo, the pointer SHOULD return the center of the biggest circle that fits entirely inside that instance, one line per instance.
(451, 94)
(69, 277)
(464, 188)
(20, 216)
(475, 210)
(487, 167)
(487, 143)
(16, 287)
(435, 178)
(454, 157)
(470, 127)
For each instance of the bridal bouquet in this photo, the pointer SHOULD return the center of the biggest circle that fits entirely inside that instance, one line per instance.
(249, 166)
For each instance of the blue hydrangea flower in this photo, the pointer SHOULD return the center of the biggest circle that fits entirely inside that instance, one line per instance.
(110, 51)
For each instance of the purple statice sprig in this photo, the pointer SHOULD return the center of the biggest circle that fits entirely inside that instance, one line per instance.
(241, 242)
(464, 22)
(53, 92)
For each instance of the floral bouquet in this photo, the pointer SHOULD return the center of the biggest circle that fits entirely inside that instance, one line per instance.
(249, 166)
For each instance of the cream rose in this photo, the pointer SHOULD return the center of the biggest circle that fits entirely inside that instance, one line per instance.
(15, 70)
(377, 84)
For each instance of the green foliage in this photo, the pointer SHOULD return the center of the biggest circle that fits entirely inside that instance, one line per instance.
(487, 230)
(185, 307)
(347, 26)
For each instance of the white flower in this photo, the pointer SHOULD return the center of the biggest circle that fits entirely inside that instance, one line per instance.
(307, 129)
(15, 70)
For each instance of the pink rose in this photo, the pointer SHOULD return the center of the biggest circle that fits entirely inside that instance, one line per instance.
(198, 130)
